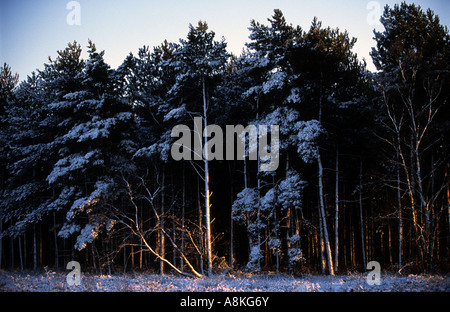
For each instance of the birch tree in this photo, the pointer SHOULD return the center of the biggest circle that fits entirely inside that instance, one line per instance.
(411, 55)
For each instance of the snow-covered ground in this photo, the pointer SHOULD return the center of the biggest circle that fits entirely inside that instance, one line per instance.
(136, 282)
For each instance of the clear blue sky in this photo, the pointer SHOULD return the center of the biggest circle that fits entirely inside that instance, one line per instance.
(30, 31)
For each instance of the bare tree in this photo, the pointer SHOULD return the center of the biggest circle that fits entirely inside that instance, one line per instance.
(131, 224)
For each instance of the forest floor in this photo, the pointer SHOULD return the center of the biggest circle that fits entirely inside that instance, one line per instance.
(50, 281)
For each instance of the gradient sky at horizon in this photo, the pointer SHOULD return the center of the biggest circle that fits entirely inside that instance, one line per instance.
(30, 31)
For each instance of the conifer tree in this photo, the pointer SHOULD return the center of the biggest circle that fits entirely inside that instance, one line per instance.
(93, 149)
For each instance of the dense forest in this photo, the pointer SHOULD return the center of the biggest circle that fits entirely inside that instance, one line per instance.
(87, 172)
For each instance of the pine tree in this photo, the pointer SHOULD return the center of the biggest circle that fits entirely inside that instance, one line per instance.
(8, 81)
(92, 142)
(266, 76)
(26, 194)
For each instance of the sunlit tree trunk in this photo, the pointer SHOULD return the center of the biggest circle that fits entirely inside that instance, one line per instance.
(336, 216)
(174, 232)
(207, 191)
(162, 251)
(200, 227)
(321, 194)
(324, 221)
(321, 245)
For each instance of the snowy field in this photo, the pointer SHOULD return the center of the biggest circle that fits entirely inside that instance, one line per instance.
(140, 282)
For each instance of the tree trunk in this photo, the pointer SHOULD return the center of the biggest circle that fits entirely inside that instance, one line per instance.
(424, 211)
(250, 240)
(34, 248)
(55, 237)
(231, 219)
(321, 195)
(336, 217)
(324, 221)
(174, 232)
(200, 227)
(141, 251)
(345, 237)
(162, 251)
(25, 249)
(361, 218)
(40, 244)
(124, 259)
(1, 243)
(400, 221)
(448, 213)
(288, 233)
(412, 182)
(277, 254)
(11, 243)
(20, 253)
(183, 204)
(353, 246)
(321, 245)
(390, 243)
(207, 191)
(131, 254)
(258, 214)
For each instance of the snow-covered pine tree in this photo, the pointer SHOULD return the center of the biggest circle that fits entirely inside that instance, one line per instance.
(273, 87)
(93, 144)
(26, 194)
(8, 81)
(266, 75)
(244, 211)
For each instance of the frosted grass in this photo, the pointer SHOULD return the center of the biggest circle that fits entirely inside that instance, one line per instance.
(50, 281)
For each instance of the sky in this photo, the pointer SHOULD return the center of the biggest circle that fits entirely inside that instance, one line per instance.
(31, 31)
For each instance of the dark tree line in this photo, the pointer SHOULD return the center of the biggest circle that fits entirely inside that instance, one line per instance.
(363, 168)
